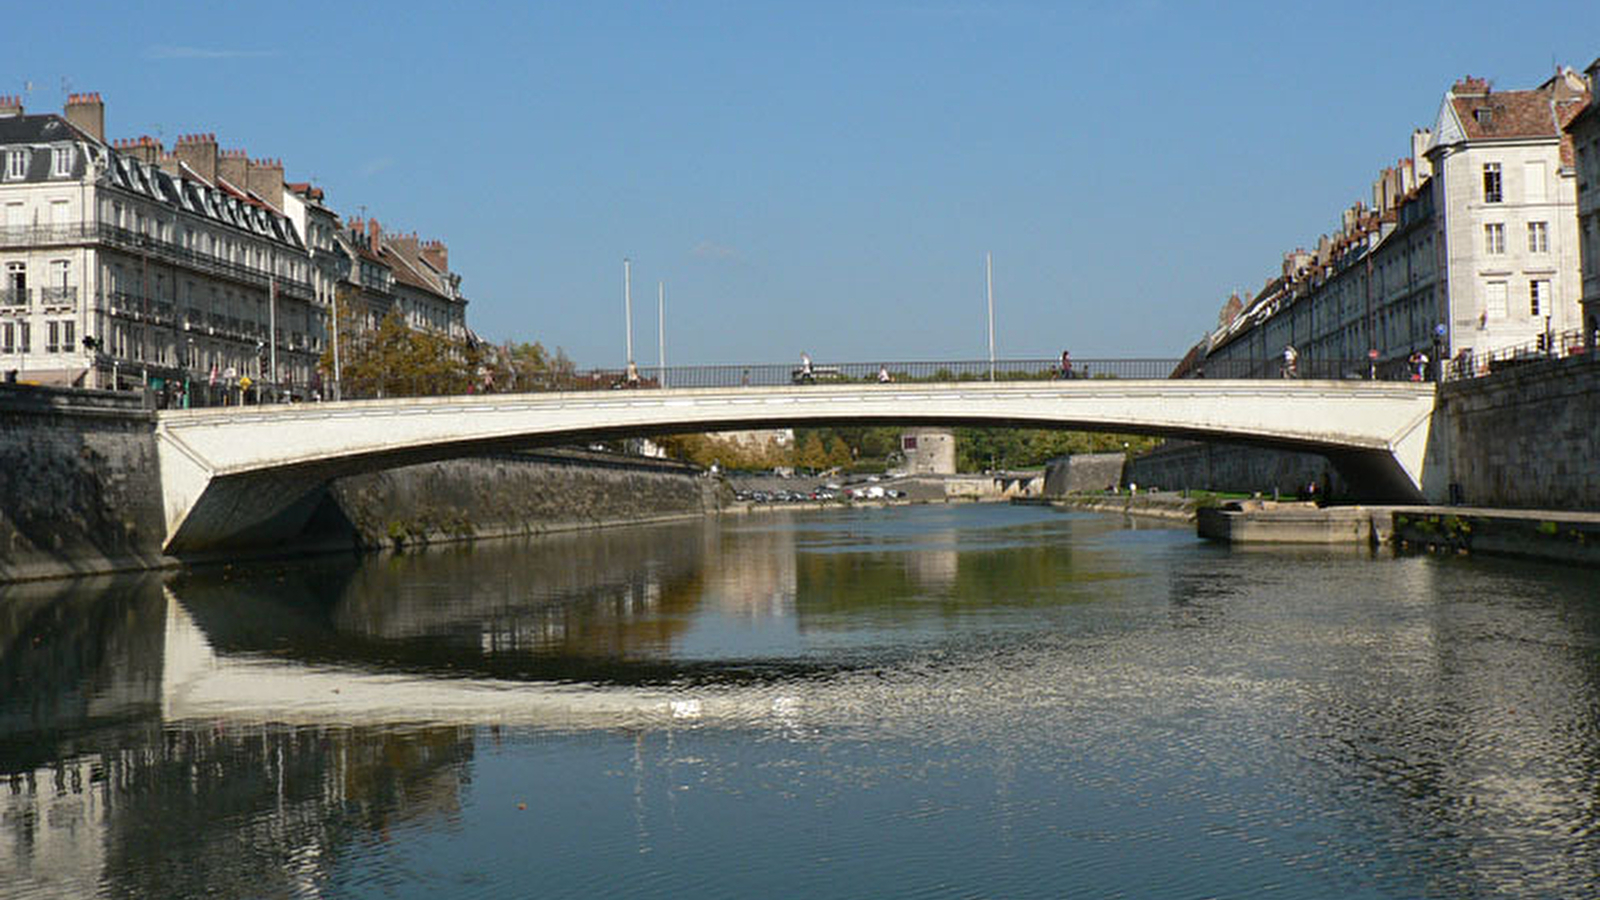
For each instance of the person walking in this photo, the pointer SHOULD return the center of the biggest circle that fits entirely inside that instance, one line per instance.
(807, 375)
(883, 374)
(1291, 362)
(1066, 364)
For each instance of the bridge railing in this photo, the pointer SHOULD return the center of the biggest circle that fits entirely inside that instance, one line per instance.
(946, 371)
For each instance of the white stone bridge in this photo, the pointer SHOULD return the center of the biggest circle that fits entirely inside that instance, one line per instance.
(253, 475)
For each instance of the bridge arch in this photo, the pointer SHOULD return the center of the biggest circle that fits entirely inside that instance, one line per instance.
(236, 477)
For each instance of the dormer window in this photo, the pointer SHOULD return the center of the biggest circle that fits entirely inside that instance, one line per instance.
(61, 162)
(1484, 116)
(16, 165)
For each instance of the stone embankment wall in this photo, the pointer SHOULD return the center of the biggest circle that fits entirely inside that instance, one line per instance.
(80, 491)
(518, 494)
(1522, 438)
(1083, 472)
(1527, 437)
(1177, 465)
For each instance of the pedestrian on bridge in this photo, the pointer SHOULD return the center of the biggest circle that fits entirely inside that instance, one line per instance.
(807, 374)
(1066, 364)
(1291, 362)
(883, 374)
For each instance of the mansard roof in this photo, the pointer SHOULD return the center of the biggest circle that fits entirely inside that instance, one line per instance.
(46, 128)
(44, 131)
(221, 202)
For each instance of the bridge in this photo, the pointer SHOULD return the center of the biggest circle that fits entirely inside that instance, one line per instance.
(253, 475)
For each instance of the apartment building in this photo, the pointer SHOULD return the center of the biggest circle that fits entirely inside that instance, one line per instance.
(1470, 246)
(196, 271)
(1584, 132)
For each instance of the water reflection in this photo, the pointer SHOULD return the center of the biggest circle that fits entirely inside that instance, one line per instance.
(999, 695)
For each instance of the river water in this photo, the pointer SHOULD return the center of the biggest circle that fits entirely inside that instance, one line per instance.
(966, 701)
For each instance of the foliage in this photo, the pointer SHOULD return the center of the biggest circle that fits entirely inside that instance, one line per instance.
(1020, 448)
(397, 361)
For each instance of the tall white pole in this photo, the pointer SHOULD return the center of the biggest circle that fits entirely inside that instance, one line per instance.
(272, 331)
(988, 277)
(627, 302)
(661, 329)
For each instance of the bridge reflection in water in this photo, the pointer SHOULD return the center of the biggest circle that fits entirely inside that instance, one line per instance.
(260, 731)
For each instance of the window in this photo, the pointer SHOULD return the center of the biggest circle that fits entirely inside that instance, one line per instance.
(1538, 237)
(1533, 187)
(1494, 300)
(16, 286)
(1491, 182)
(8, 338)
(16, 165)
(52, 337)
(61, 162)
(1494, 238)
(1539, 297)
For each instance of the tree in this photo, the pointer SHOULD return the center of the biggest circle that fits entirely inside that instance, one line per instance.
(396, 360)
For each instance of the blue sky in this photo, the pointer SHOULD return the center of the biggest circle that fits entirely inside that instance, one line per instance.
(820, 176)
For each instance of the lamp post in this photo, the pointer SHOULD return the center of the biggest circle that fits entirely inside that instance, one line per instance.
(627, 304)
(988, 278)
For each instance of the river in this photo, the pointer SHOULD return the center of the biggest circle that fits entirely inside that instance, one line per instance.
(933, 701)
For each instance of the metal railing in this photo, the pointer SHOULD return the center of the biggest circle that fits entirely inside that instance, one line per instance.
(1544, 348)
(154, 247)
(934, 372)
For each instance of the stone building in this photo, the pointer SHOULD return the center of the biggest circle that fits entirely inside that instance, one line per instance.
(1469, 247)
(1584, 132)
(127, 265)
(196, 271)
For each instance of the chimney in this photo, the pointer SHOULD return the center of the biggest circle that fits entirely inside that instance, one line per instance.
(199, 153)
(233, 167)
(374, 237)
(436, 254)
(87, 113)
(266, 180)
(145, 148)
(10, 105)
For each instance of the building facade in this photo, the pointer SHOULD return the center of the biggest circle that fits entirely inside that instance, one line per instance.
(196, 272)
(1470, 247)
(1584, 132)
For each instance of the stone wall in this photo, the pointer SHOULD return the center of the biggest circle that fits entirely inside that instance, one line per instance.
(80, 489)
(1525, 437)
(80, 492)
(1083, 472)
(517, 494)
(1177, 465)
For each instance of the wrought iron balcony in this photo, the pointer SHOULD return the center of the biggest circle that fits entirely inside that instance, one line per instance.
(58, 296)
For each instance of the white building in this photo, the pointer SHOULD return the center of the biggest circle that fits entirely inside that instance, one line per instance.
(127, 266)
(1470, 247)
(1506, 188)
(1584, 132)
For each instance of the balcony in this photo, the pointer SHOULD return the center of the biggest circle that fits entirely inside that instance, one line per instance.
(13, 297)
(58, 296)
(46, 235)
